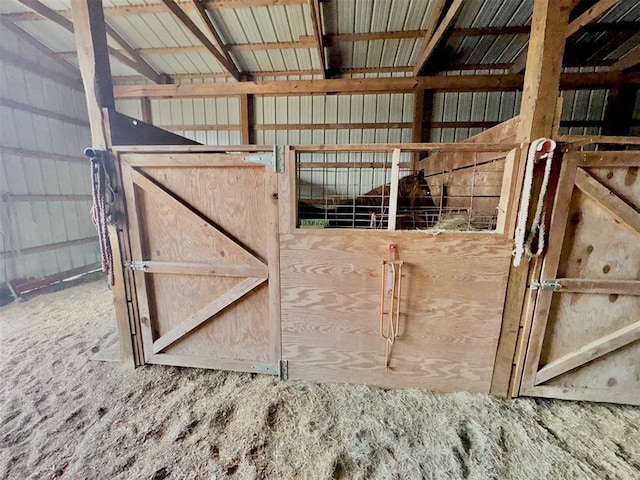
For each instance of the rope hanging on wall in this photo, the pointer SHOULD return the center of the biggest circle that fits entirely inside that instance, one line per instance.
(540, 149)
(103, 198)
(390, 301)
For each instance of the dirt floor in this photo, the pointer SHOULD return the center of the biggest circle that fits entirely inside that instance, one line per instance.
(62, 415)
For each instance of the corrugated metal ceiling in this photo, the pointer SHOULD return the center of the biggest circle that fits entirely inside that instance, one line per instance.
(287, 23)
(158, 31)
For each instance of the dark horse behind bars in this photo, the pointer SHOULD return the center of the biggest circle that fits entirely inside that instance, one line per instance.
(416, 208)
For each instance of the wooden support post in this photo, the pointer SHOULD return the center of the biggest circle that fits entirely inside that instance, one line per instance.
(145, 104)
(619, 111)
(541, 89)
(592, 14)
(316, 22)
(418, 119)
(393, 194)
(93, 59)
(246, 115)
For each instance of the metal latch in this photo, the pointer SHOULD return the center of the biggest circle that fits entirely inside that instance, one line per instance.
(135, 265)
(546, 285)
(280, 369)
(275, 159)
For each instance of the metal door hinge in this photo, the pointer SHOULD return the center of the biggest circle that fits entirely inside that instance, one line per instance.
(135, 265)
(278, 152)
(275, 159)
(546, 285)
(280, 369)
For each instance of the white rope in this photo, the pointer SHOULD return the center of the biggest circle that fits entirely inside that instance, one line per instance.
(537, 226)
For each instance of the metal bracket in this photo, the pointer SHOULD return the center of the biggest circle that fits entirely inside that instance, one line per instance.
(136, 265)
(280, 369)
(261, 158)
(275, 159)
(284, 370)
(553, 285)
(278, 153)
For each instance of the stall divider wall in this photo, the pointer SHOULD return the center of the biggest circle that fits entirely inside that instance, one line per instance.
(455, 285)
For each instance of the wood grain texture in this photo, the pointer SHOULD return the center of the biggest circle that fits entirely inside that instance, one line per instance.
(206, 313)
(191, 160)
(202, 230)
(559, 220)
(614, 205)
(617, 287)
(589, 346)
(453, 290)
(610, 378)
(589, 352)
(211, 269)
(607, 159)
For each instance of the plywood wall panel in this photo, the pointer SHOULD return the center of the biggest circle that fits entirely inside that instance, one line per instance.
(453, 291)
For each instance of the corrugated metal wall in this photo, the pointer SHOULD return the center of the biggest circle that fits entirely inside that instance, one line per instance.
(44, 180)
(348, 119)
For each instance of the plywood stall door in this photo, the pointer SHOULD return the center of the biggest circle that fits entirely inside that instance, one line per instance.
(585, 341)
(204, 250)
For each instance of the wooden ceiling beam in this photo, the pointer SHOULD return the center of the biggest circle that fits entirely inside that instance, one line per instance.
(217, 40)
(439, 83)
(628, 60)
(592, 14)
(123, 80)
(586, 18)
(180, 14)
(49, 14)
(38, 45)
(159, 8)
(304, 42)
(147, 70)
(432, 41)
(316, 22)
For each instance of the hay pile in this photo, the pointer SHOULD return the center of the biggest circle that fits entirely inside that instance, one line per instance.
(62, 415)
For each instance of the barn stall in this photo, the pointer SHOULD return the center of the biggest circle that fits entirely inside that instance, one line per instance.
(412, 206)
(384, 264)
(206, 260)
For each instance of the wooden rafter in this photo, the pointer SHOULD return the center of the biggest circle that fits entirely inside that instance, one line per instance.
(592, 14)
(37, 44)
(432, 41)
(629, 60)
(139, 66)
(217, 40)
(123, 80)
(135, 56)
(303, 42)
(316, 22)
(441, 83)
(181, 15)
(158, 8)
(586, 18)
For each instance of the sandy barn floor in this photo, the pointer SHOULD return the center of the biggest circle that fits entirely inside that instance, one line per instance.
(62, 415)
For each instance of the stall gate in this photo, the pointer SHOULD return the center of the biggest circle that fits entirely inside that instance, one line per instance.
(584, 342)
(204, 250)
